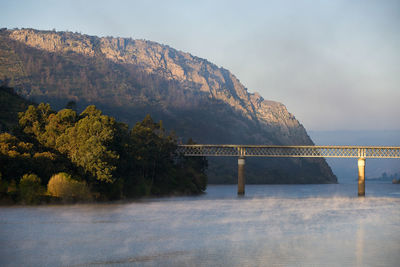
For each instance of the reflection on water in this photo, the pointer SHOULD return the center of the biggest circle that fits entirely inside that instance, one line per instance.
(282, 225)
(360, 245)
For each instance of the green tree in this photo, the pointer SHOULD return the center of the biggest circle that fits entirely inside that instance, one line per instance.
(88, 143)
(153, 152)
(15, 157)
(114, 161)
(18, 157)
(33, 121)
(57, 124)
(30, 189)
(194, 170)
(71, 105)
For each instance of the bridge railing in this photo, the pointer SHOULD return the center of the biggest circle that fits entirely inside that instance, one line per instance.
(290, 151)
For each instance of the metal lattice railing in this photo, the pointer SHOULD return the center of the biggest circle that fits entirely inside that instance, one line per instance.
(290, 151)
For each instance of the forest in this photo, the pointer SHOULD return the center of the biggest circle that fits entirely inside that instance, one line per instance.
(63, 156)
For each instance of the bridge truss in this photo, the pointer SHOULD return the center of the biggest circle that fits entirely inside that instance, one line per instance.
(290, 151)
(243, 151)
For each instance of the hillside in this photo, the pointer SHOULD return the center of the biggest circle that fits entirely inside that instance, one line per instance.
(129, 78)
(10, 105)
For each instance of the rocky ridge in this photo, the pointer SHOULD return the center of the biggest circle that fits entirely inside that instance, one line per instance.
(216, 83)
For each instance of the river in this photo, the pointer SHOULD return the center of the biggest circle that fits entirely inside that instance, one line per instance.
(273, 225)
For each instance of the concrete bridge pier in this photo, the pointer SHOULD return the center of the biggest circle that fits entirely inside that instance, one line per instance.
(361, 177)
(241, 179)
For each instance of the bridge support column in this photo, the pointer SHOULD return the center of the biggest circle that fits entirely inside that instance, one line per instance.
(361, 177)
(241, 179)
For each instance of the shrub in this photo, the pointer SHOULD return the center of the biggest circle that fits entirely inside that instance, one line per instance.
(30, 189)
(63, 186)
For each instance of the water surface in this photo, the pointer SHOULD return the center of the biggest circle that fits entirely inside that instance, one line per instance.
(273, 225)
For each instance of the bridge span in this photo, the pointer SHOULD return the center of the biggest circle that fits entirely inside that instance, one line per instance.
(243, 151)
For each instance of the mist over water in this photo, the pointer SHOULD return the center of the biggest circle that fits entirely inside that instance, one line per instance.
(273, 225)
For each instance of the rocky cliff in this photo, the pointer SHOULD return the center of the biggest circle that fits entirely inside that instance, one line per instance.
(131, 77)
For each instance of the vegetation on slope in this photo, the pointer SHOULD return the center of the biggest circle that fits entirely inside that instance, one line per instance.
(95, 152)
(10, 105)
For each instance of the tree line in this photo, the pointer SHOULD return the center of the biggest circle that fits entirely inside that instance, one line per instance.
(52, 156)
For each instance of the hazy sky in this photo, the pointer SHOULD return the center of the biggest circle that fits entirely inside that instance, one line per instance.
(334, 64)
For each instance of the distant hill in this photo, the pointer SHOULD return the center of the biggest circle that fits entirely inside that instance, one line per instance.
(129, 78)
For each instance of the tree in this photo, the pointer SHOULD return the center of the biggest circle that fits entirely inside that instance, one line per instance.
(114, 161)
(194, 169)
(18, 158)
(15, 157)
(34, 120)
(153, 152)
(57, 124)
(87, 143)
(86, 139)
(62, 185)
(71, 105)
(30, 189)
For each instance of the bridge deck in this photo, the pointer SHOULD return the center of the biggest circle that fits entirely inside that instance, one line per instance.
(291, 151)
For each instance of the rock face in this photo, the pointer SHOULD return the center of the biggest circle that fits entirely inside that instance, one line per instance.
(129, 77)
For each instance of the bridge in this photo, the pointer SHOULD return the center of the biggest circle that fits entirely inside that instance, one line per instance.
(243, 151)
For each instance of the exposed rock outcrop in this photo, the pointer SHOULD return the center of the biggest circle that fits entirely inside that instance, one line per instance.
(171, 64)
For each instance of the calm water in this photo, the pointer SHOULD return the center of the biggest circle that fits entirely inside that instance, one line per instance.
(281, 225)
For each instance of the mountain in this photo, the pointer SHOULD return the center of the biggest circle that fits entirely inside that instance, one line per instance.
(129, 78)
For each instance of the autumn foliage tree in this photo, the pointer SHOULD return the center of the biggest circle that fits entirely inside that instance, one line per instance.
(62, 185)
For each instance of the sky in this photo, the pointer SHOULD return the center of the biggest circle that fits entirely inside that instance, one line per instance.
(334, 64)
